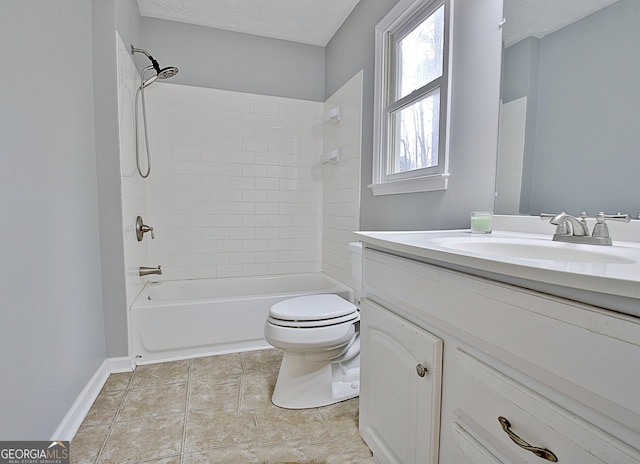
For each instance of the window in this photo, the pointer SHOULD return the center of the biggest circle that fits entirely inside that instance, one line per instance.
(411, 99)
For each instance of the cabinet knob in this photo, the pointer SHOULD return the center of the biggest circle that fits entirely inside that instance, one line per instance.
(422, 370)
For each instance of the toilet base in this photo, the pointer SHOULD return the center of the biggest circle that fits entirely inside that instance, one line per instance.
(304, 382)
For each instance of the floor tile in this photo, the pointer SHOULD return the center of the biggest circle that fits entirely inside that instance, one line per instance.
(204, 394)
(215, 409)
(257, 389)
(217, 368)
(208, 428)
(276, 425)
(87, 444)
(154, 401)
(117, 382)
(345, 410)
(262, 360)
(144, 439)
(104, 408)
(160, 374)
(235, 454)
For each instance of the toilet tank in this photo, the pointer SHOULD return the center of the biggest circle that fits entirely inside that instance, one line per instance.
(355, 250)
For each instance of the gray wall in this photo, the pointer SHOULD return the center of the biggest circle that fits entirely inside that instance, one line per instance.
(233, 61)
(52, 331)
(474, 115)
(586, 134)
(109, 15)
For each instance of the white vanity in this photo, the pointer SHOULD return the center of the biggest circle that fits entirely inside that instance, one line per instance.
(467, 351)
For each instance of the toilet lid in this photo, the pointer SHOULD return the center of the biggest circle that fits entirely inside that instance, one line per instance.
(312, 308)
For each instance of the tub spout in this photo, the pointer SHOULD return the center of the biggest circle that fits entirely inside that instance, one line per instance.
(144, 271)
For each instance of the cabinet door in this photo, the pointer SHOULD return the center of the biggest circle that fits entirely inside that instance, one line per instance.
(401, 378)
(468, 450)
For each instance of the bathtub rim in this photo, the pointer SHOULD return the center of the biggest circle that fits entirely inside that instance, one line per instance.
(140, 303)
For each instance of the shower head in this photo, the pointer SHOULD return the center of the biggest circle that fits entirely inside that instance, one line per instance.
(163, 73)
(166, 73)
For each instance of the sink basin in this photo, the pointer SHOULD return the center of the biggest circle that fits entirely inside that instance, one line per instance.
(534, 249)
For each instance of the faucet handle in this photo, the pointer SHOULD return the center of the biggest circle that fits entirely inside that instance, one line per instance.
(600, 228)
(142, 228)
(601, 217)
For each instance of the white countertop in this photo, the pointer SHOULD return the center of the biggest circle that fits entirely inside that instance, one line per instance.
(612, 283)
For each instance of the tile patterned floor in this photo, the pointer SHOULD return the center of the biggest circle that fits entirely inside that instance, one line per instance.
(213, 410)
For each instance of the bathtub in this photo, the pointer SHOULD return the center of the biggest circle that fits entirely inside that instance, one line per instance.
(190, 318)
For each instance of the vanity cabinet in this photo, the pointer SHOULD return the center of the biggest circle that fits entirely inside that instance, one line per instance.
(519, 369)
(401, 371)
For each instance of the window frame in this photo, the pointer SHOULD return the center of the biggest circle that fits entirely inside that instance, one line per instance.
(398, 23)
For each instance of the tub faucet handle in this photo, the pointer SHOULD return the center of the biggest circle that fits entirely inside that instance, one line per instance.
(142, 228)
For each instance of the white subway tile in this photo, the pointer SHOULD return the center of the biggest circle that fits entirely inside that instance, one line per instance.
(242, 257)
(254, 171)
(231, 197)
(256, 145)
(255, 269)
(267, 183)
(256, 245)
(267, 107)
(229, 270)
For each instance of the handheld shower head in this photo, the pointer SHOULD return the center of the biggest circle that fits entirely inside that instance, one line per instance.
(166, 73)
(161, 73)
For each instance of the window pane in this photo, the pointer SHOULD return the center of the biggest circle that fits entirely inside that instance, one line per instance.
(416, 135)
(420, 54)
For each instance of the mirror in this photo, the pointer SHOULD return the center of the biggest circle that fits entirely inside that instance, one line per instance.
(570, 114)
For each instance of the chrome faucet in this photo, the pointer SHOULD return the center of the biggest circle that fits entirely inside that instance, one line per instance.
(145, 271)
(573, 230)
(573, 226)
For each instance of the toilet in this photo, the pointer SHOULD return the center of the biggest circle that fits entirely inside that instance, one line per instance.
(320, 339)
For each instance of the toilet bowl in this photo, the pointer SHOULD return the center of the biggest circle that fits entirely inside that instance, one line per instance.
(319, 337)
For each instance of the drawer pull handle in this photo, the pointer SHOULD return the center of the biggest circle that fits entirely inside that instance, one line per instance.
(540, 452)
(422, 370)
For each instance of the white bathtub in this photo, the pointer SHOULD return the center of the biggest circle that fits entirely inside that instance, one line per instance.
(189, 318)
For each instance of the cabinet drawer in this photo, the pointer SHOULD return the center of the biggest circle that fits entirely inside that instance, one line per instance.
(484, 394)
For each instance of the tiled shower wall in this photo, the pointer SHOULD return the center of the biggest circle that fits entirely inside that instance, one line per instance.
(236, 183)
(341, 180)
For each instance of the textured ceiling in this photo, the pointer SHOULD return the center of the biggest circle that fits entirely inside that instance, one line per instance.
(306, 21)
(537, 18)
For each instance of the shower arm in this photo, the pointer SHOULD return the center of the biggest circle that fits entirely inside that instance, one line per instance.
(155, 64)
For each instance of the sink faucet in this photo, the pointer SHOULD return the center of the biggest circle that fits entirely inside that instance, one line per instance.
(573, 230)
(573, 226)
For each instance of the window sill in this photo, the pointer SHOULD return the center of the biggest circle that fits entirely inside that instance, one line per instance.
(430, 183)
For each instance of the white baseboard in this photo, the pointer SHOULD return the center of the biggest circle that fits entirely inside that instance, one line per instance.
(80, 407)
(121, 364)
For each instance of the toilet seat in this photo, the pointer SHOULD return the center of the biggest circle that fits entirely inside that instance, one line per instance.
(349, 318)
(321, 307)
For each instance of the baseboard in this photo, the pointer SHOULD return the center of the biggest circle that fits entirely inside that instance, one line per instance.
(121, 364)
(80, 407)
